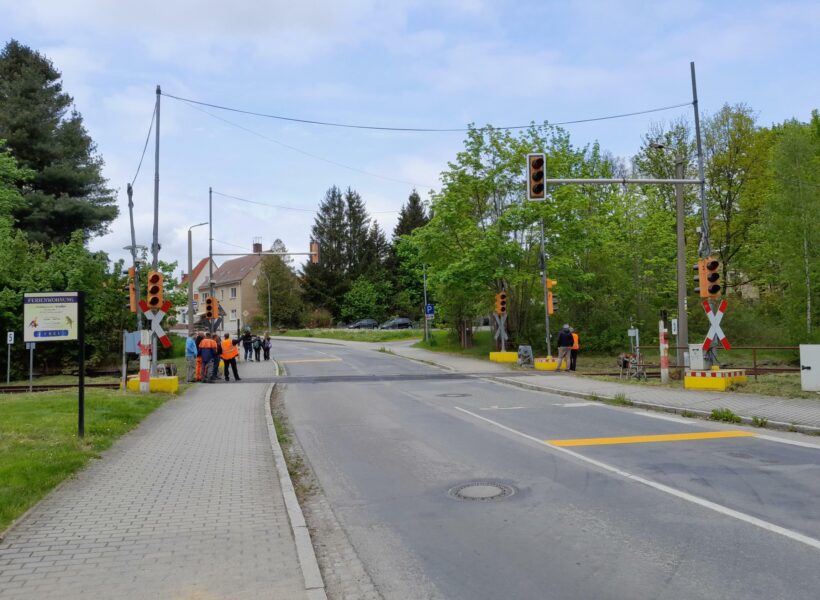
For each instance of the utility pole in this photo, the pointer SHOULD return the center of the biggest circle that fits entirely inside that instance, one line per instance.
(130, 189)
(211, 250)
(683, 318)
(544, 287)
(155, 242)
(426, 320)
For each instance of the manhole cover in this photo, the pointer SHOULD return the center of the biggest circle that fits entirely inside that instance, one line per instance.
(453, 395)
(482, 491)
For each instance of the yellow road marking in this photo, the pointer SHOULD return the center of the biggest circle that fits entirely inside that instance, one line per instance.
(310, 360)
(642, 439)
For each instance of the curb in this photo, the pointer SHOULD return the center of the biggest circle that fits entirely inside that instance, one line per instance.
(776, 425)
(314, 584)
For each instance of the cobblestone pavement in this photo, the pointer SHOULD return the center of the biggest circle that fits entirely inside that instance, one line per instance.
(187, 506)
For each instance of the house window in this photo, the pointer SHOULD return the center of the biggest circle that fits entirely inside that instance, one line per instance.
(233, 314)
(204, 295)
(233, 292)
(221, 294)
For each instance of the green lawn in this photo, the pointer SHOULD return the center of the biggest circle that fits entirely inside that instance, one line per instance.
(39, 447)
(356, 335)
(446, 341)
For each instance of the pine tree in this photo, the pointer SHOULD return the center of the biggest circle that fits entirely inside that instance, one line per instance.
(45, 134)
(325, 283)
(358, 232)
(411, 216)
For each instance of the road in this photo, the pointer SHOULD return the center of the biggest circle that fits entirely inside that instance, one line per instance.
(591, 514)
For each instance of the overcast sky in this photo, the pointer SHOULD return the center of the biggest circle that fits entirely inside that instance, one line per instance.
(404, 63)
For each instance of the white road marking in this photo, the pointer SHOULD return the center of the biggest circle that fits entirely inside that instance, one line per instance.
(503, 408)
(682, 420)
(577, 404)
(718, 508)
(780, 440)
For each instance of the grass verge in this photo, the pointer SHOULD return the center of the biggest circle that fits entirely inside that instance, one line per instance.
(297, 469)
(355, 335)
(445, 341)
(39, 446)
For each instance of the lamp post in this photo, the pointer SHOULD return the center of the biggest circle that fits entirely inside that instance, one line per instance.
(191, 280)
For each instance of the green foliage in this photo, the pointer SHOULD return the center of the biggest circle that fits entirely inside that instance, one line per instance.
(724, 414)
(759, 421)
(39, 447)
(285, 291)
(367, 300)
(67, 191)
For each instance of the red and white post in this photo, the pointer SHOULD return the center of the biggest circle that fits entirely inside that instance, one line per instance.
(145, 361)
(664, 346)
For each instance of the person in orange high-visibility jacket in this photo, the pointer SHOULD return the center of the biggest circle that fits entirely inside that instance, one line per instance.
(209, 358)
(229, 354)
(573, 355)
(198, 340)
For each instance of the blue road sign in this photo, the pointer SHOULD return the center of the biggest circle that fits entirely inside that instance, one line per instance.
(429, 310)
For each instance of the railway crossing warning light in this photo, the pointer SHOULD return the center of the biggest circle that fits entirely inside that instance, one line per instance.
(501, 303)
(211, 308)
(132, 290)
(713, 286)
(155, 289)
(552, 303)
(708, 278)
(314, 252)
(536, 173)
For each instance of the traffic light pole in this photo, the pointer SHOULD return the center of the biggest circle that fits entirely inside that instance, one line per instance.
(155, 241)
(211, 288)
(544, 287)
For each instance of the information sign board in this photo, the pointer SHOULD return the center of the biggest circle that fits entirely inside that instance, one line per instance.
(50, 316)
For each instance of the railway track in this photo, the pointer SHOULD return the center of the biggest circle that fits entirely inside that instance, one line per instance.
(23, 389)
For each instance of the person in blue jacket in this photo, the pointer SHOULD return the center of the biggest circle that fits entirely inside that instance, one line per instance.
(191, 352)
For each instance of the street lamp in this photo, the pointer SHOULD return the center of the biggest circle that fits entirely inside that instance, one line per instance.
(191, 281)
(269, 311)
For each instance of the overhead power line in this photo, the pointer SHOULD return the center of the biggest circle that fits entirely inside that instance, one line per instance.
(306, 153)
(267, 204)
(145, 147)
(417, 129)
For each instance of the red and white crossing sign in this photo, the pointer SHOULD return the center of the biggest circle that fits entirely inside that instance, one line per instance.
(156, 319)
(714, 325)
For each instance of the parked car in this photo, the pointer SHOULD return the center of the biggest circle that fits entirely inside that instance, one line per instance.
(400, 323)
(364, 324)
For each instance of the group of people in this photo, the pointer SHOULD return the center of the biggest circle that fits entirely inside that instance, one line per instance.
(568, 346)
(204, 351)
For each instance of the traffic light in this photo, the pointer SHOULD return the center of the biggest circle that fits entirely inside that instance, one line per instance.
(154, 289)
(314, 252)
(536, 173)
(211, 308)
(708, 278)
(713, 286)
(132, 291)
(501, 303)
(551, 302)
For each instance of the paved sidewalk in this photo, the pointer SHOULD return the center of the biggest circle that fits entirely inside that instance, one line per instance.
(187, 506)
(804, 414)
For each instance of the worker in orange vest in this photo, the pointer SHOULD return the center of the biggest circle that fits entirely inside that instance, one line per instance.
(209, 357)
(573, 355)
(229, 354)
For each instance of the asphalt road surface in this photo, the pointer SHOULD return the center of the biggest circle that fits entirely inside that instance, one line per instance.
(596, 504)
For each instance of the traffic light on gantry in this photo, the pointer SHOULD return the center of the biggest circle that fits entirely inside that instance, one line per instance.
(536, 175)
(314, 252)
(155, 285)
(501, 303)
